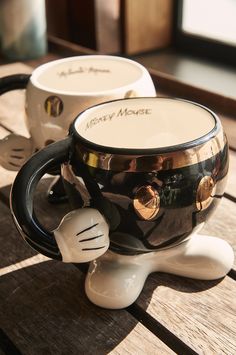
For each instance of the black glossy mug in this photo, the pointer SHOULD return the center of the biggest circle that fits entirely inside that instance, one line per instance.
(142, 174)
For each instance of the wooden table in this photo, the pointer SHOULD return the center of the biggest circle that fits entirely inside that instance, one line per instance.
(43, 306)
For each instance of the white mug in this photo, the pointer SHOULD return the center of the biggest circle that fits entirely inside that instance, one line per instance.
(56, 92)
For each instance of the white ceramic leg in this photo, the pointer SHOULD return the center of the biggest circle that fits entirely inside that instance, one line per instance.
(200, 257)
(115, 281)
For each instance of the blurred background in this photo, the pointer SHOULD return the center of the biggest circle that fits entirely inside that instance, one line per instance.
(179, 41)
(206, 28)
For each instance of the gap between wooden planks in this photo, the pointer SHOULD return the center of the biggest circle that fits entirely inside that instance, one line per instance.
(43, 308)
(177, 303)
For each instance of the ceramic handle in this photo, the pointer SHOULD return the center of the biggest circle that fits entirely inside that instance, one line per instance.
(22, 195)
(83, 234)
(13, 82)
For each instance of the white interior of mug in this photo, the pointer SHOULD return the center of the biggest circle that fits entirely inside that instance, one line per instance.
(87, 74)
(143, 123)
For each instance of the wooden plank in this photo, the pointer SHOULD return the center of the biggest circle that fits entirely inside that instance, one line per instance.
(107, 26)
(13, 248)
(53, 316)
(223, 220)
(6, 345)
(201, 313)
(67, 48)
(174, 87)
(58, 21)
(95, 24)
(189, 323)
(215, 78)
(82, 22)
(222, 223)
(147, 27)
(43, 308)
(229, 124)
(231, 182)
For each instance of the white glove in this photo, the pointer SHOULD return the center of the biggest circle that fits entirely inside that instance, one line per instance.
(14, 151)
(82, 235)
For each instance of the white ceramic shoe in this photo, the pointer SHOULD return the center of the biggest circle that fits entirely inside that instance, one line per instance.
(115, 281)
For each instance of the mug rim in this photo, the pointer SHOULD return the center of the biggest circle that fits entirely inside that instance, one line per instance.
(40, 69)
(146, 151)
(149, 159)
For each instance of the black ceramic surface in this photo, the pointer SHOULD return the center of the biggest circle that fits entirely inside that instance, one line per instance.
(185, 183)
(178, 215)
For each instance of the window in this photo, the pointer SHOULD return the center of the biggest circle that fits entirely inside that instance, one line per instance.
(207, 28)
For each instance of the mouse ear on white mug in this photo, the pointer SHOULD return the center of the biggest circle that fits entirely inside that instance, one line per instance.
(82, 235)
(15, 150)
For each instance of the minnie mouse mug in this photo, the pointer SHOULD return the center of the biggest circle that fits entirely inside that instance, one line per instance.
(57, 91)
(143, 175)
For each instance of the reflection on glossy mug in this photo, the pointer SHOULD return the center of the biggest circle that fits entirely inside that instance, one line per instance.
(148, 171)
(57, 91)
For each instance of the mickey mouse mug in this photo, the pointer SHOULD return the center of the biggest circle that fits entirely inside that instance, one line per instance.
(57, 91)
(142, 174)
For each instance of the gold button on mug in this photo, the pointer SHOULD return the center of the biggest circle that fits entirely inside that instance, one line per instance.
(205, 192)
(146, 202)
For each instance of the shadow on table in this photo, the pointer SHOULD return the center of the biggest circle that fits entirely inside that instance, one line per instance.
(14, 249)
(44, 306)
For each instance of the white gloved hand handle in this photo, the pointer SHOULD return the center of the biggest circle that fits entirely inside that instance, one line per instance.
(83, 235)
(14, 151)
